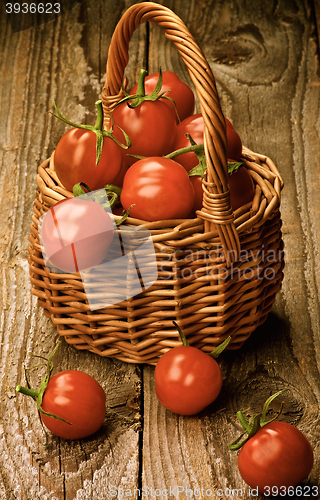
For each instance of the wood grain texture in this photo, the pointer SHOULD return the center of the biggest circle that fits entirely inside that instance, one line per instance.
(61, 59)
(265, 57)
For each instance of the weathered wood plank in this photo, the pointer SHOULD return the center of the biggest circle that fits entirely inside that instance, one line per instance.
(265, 58)
(66, 59)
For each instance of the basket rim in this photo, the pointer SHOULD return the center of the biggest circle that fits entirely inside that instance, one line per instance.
(183, 232)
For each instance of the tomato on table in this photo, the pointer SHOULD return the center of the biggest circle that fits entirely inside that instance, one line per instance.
(274, 454)
(158, 188)
(187, 380)
(71, 404)
(77, 398)
(277, 455)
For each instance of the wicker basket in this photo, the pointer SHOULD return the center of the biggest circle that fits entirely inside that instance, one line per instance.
(234, 261)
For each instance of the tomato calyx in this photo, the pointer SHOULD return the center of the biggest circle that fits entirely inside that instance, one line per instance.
(113, 193)
(37, 394)
(198, 150)
(135, 100)
(234, 166)
(80, 189)
(256, 422)
(214, 354)
(97, 129)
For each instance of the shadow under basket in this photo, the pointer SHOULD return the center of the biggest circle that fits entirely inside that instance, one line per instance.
(218, 274)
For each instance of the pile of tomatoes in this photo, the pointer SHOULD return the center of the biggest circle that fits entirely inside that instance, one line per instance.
(139, 154)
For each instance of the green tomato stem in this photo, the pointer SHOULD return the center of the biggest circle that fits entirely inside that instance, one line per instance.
(220, 348)
(134, 100)
(28, 392)
(37, 395)
(243, 421)
(141, 88)
(188, 149)
(182, 335)
(264, 420)
(111, 188)
(99, 121)
(124, 216)
(78, 189)
(198, 150)
(255, 423)
(97, 129)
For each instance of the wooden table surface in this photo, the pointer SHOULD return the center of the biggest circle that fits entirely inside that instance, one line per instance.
(265, 58)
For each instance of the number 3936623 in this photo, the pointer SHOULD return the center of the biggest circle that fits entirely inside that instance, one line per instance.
(33, 8)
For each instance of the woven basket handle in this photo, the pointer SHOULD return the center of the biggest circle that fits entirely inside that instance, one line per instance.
(216, 211)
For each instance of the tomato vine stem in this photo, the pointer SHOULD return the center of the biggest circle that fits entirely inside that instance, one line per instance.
(256, 422)
(214, 354)
(37, 395)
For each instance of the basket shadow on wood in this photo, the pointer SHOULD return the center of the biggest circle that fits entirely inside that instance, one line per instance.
(218, 274)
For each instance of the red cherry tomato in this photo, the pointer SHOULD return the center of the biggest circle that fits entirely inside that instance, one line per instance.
(76, 397)
(278, 455)
(75, 160)
(180, 92)
(151, 128)
(194, 125)
(159, 188)
(196, 181)
(118, 181)
(234, 142)
(241, 188)
(76, 234)
(187, 380)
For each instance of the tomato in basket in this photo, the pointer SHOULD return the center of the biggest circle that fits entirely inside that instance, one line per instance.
(274, 456)
(147, 120)
(178, 91)
(234, 143)
(158, 189)
(194, 125)
(71, 404)
(240, 182)
(88, 154)
(196, 181)
(241, 185)
(187, 380)
(76, 234)
(75, 156)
